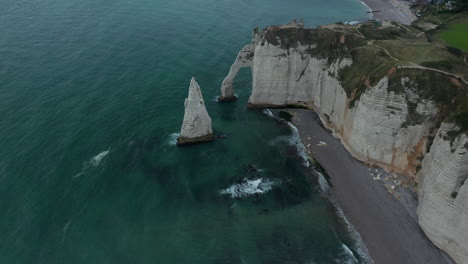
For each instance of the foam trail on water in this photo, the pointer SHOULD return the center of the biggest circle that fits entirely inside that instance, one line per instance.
(93, 162)
(249, 187)
(77, 175)
(96, 160)
(65, 229)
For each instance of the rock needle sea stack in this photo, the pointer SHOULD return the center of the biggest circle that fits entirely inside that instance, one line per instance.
(196, 127)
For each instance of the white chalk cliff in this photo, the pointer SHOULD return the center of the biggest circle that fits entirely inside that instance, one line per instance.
(196, 126)
(380, 124)
(443, 194)
(375, 130)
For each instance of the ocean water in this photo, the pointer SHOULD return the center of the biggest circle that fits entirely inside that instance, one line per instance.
(91, 99)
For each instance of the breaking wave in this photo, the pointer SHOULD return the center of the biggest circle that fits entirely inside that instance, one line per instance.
(249, 187)
(325, 190)
(294, 139)
(173, 139)
(269, 113)
(347, 256)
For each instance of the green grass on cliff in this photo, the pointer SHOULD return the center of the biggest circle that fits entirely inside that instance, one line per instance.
(421, 52)
(452, 29)
(370, 64)
(377, 52)
(456, 35)
(323, 43)
(429, 84)
(414, 51)
(450, 96)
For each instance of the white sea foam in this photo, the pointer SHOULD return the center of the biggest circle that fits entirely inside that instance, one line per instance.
(93, 162)
(371, 14)
(96, 160)
(249, 187)
(173, 139)
(347, 255)
(323, 183)
(65, 229)
(361, 249)
(77, 175)
(294, 139)
(352, 23)
(268, 112)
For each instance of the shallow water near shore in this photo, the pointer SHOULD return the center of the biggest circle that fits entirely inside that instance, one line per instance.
(91, 99)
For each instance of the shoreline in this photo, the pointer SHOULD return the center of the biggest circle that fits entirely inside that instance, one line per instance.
(392, 10)
(385, 217)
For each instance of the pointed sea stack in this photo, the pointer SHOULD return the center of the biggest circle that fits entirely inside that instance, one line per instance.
(196, 127)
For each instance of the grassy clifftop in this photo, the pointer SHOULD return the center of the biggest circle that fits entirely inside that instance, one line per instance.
(438, 71)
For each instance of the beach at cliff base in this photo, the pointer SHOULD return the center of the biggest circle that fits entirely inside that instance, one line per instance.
(379, 205)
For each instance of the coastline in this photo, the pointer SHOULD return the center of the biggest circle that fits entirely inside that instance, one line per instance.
(392, 10)
(385, 218)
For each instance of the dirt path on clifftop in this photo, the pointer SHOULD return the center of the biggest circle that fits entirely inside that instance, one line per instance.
(386, 227)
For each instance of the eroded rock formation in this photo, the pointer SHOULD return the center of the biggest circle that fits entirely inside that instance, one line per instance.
(443, 193)
(383, 114)
(196, 126)
(288, 69)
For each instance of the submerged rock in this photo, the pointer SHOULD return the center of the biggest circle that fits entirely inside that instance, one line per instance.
(196, 126)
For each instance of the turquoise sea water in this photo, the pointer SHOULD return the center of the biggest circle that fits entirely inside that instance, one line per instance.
(91, 94)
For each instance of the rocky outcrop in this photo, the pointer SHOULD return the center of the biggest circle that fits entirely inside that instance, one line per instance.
(443, 193)
(196, 126)
(383, 114)
(243, 60)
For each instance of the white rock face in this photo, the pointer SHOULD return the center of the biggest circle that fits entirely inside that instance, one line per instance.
(376, 130)
(244, 59)
(443, 194)
(379, 130)
(196, 126)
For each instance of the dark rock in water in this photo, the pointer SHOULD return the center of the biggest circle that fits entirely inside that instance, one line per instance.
(227, 99)
(190, 141)
(251, 169)
(223, 136)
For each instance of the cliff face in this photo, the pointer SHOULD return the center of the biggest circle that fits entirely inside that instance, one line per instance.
(443, 193)
(383, 113)
(196, 126)
(377, 129)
